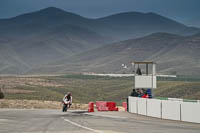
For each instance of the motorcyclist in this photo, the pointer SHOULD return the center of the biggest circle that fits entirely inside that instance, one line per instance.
(67, 99)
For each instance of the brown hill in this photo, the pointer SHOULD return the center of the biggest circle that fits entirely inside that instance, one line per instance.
(37, 38)
(173, 53)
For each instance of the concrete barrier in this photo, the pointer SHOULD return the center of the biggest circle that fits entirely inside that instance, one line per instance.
(142, 106)
(175, 99)
(166, 109)
(132, 104)
(171, 110)
(154, 108)
(190, 112)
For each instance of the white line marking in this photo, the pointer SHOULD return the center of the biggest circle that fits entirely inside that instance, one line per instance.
(5, 120)
(109, 116)
(87, 128)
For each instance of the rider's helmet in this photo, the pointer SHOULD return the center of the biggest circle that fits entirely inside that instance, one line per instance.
(69, 93)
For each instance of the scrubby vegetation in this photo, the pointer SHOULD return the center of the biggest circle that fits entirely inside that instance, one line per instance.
(91, 88)
(1, 94)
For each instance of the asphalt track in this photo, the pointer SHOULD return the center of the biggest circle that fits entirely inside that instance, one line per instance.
(54, 121)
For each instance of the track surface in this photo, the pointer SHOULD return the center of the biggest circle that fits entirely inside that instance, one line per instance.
(54, 121)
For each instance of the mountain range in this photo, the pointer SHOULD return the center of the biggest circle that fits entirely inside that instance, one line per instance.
(172, 53)
(55, 41)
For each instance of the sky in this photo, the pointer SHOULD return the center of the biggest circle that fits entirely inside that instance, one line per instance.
(180, 10)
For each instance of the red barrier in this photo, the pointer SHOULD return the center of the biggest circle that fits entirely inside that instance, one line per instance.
(106, 106)
(101, 106)
(112, 106)
(124, 104)
(115, 109)
(90, 107)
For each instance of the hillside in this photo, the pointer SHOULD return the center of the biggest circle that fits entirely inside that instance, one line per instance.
(40, 37)
(118, 26)
(173, 53)
(54, 35)
(45, 47)
(136, 24)
(86, 88)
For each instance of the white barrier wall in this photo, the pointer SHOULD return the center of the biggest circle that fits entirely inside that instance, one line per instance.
(171, 110)
(165, 109)
(132, 104)
(142, 106)
(190, 112)
(154, 108)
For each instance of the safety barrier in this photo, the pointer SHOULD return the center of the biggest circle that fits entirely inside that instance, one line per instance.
(132, 105)
(165, 109)
(142, 106)
(190, 112)
(101, 106)
(171, 110)
(111, 106)
(106, 106)
(90, 107)
(124, 105)
(154, 108)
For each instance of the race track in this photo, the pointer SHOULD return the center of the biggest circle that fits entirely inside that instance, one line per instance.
(54, 121)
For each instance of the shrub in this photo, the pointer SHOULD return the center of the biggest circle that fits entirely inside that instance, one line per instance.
(1, 94)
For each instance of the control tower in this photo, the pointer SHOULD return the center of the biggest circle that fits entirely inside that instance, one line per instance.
(145, 75)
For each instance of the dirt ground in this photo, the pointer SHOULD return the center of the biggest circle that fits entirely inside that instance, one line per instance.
(36, 104)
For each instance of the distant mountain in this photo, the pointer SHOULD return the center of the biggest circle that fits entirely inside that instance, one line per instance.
(58, 43)
(40, 37)
(40, 21)
(50, 35)
(117, 26)
(136, 24)
(173, 53)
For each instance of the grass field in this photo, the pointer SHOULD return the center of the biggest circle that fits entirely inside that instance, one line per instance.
(91, 88)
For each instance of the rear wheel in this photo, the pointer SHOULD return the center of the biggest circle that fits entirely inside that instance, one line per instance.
(64, 108)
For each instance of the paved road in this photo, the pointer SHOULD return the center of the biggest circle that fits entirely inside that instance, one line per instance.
(54, 121)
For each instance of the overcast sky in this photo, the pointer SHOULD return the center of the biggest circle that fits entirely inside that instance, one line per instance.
(180, 10)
